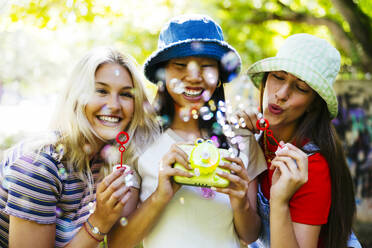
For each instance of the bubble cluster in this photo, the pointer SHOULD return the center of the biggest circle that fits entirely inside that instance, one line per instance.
(207, 192)
(91, 207)
(205, 113)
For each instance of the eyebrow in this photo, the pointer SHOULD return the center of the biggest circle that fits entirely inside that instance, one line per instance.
(123, 88)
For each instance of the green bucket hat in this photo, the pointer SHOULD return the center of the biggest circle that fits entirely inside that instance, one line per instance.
(309, 58)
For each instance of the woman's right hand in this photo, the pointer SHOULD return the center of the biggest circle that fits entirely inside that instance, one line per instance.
(111, 197)
(250, 118)
(166, 186)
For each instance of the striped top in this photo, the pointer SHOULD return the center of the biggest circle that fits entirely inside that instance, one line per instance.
(36, 186)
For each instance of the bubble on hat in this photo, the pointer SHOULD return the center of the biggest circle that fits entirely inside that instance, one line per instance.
(197, 46)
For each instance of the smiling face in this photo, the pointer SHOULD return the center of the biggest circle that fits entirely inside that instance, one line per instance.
(110, 109)
(285, 100)
(191, 81)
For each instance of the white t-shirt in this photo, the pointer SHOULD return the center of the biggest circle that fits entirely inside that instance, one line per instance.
(189, 219)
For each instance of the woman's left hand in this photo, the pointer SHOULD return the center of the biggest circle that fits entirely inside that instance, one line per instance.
(291, 172)
(238, 187)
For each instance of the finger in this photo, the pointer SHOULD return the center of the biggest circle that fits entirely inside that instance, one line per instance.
(290, 163)
(295, 153)
(178, 150)
(283, 169)
(106, 182)
(178, 172)
(114, 186)
(229, 191)
(117, 196)
(234, 179)
(250, 119)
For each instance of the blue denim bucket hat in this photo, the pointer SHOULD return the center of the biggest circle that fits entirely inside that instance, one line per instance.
(193, 35)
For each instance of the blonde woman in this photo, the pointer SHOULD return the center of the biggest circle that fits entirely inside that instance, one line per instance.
(57, 190)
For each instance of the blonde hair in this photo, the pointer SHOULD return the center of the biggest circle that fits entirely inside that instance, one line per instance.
(75, 131)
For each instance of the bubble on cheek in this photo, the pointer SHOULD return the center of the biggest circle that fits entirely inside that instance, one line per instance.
(160, 75)
(206, 95)
(176, 86)
(197, 46)
(123, 221)
(210, 77)
(230, 61)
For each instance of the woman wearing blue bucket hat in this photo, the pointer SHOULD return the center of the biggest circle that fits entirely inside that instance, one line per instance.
(190, 66)
(306, 197)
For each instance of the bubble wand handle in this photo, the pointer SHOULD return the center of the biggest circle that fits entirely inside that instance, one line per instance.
(121, 147)
(269, 132)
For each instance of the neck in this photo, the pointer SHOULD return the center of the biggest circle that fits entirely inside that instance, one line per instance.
(284, 133)
(182, 128)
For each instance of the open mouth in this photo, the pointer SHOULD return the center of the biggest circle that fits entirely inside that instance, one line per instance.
(193, 92)
(109, 119)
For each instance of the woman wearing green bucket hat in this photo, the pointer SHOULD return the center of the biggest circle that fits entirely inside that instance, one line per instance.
(306, 197)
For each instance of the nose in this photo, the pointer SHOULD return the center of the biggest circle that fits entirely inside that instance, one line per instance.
(283, 92)
(193, 72)
(113, 102)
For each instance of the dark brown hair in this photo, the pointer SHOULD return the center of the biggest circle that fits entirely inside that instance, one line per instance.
(336, 232)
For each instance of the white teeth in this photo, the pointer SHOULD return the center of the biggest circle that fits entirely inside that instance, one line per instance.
(189, 92)
(109, 119)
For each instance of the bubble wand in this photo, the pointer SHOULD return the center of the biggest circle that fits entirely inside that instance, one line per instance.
(121, 147)
(269, 132)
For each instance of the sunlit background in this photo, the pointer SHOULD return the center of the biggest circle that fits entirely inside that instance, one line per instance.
(41, 40)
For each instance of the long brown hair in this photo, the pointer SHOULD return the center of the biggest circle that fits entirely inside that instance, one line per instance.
(336, 232)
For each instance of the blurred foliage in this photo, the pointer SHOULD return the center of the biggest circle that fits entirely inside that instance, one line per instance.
(40, 39)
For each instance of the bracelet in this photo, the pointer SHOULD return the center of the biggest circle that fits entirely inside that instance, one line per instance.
(95, 229)
(86, 229)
